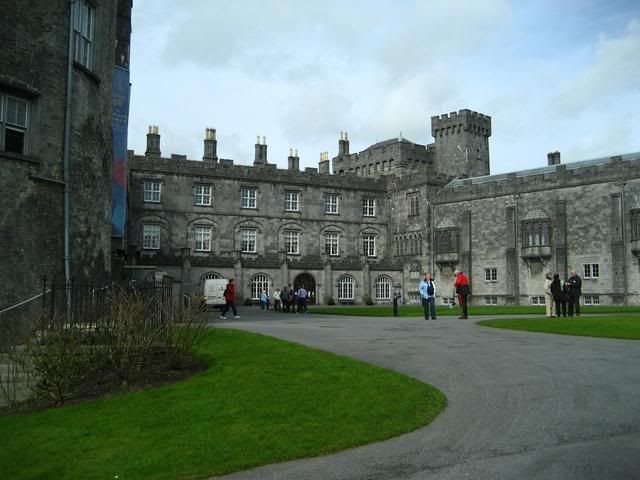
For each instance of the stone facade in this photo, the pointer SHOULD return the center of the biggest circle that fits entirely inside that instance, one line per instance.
(397, 209)
(33, 91)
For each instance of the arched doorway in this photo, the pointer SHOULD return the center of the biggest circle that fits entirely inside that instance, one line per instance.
(309, 283)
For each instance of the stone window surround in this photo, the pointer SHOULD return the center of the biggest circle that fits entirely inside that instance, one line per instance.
(248, 237)
(152, 191)
(203, 241)
(203, 198)
(330, 243)
(368, 206)
(369, 247)
(329, 205)
(384, 287)
(249, 197)
(292, 242)
(151, 236)
(84, 22)
(491, 275)
(291, 201)
(590, 271)
(16, 126)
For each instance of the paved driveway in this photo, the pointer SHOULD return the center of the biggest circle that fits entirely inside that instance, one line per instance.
(520, 405)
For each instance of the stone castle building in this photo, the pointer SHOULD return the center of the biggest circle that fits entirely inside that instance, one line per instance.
(362, 223)
(56, 94)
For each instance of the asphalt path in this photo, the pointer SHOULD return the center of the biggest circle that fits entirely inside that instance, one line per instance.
(520, 405)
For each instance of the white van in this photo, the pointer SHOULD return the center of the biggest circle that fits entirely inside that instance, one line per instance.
(214, 292)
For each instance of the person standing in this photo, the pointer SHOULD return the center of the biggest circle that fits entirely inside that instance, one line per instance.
(557, 294)
(574, 290)
(548, 297)
(264, 300)
(284, 298)
(462, 290)
(303, 295)
(428, 292)
(276, 300)
(230, 300)
(293, 299)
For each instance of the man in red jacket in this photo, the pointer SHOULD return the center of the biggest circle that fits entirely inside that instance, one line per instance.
(462, 289)
(230, 297)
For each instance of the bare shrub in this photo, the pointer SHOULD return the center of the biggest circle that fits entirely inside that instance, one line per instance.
(128, 330)
(185, 332)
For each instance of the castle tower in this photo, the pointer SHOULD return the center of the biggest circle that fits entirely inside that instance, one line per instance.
(153, 142)
(210, 145)
(462, 143)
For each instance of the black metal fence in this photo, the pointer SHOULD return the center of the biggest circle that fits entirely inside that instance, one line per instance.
(87, 305)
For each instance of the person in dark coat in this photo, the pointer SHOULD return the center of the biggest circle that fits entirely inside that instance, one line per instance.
(574, 290)
(558, 296)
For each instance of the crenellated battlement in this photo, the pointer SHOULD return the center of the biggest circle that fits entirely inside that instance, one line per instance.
(226, 169)
(462, 121)
(600, 170)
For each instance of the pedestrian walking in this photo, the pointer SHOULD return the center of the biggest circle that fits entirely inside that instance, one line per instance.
(230, 300)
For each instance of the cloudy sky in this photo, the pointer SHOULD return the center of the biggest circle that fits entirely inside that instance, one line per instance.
(552, 75)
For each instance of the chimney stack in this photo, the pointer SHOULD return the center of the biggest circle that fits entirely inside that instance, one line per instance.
(153, 142)
(343, 144)
(553, 158)
(210, 145)
(323, 164)
(293, 160)
(261, 151)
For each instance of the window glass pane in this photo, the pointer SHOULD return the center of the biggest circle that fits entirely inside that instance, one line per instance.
(16, 112)
(14, 141)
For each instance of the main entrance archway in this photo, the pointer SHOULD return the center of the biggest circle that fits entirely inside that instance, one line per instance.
(309, 283)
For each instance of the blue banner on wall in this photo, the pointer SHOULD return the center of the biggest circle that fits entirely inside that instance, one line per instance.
(119, 126)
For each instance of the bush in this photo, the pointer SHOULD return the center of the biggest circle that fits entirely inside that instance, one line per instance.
(248, 302)
(329, 301)
(367, 300)
(184, 334)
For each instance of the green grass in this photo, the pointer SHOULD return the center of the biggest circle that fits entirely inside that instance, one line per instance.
(627, 327)
(261, 401)
(442, 310)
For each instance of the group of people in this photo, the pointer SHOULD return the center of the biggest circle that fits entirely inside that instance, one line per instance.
(427, 290)
(286, 300)
(559, 294)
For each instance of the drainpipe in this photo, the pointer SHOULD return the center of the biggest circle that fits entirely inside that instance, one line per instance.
(624, 245)
(65, 155)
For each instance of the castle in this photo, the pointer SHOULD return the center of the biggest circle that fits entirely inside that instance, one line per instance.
(362, 224)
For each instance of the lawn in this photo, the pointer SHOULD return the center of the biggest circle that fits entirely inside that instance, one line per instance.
(262, 400)
(442, 310)
(626, 327)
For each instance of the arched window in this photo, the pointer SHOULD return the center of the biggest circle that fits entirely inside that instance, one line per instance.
(383, 288)
(258, 283)
(345, 288)
(211, 276)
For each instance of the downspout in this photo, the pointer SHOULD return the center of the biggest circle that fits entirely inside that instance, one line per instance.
(65, 156)
(624, 245)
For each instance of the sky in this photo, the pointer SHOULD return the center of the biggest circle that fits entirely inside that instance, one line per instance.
(552, 75)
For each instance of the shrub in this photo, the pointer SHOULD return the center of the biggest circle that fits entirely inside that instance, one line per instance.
(367, 300)
(248, 302)
(184, 333)
(329, 301)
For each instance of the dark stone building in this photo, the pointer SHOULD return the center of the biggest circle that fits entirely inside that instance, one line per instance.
(40, 52)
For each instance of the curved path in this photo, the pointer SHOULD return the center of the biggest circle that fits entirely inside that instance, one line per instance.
(520, 405)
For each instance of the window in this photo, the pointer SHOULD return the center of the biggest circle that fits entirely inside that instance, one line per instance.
(446, 240)
(248, 240)
(345, 288)
(13, 124)
(292, 242)
(591, 270)
(83, 25)
(291, 201)
(535, 233)
(152, 192)
(331, 204)
(259, 283)
(203, 195)
(491, 300)
(248, 196)
(332, 244)
(203, 239)
(383, 288)
(635, 224)
(448, 300)
(369, 245)
(490, 274)
(369, 207)
(414, 202)
(151, 237)
(591, 299)
(211, 276)
(537, 300)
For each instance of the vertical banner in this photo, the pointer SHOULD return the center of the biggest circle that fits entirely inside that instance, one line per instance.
(119, 124)
(120, 119)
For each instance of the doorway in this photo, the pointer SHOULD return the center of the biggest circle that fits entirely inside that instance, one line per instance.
(309, 283)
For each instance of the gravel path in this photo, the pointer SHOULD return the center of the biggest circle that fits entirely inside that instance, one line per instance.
(520, 405)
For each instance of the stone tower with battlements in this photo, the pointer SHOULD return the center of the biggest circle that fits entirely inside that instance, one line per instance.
(462, 143)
